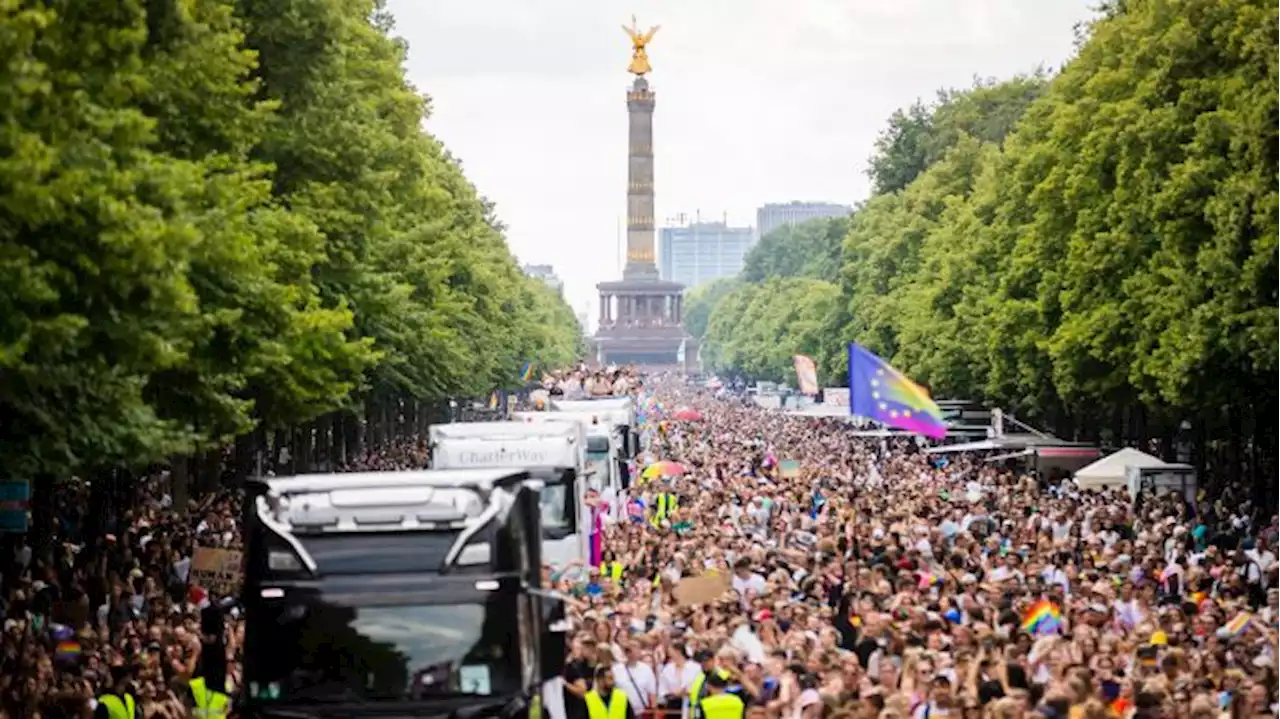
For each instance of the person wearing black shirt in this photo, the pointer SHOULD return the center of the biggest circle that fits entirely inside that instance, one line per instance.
(578, 677)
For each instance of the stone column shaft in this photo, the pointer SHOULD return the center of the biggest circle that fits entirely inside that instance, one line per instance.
(640, 206)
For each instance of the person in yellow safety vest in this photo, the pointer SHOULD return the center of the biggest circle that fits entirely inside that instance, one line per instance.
(210, 702)
(698, 690)
(605, 701)
(208, 697)
(665, 505)
(118, 703)
(720, 704)
(610, 567)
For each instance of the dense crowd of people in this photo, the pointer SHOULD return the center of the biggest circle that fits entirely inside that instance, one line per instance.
(860, 578)
(785, 567)
(88, 614)
(91, 613)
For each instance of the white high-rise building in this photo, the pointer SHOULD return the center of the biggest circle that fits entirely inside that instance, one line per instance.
(694, 253)
(774, 215)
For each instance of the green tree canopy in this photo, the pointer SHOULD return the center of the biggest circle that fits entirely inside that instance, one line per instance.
(224, 214)
(921, 135)
(1111, 252)
(700, 301)
(1082, 249)
(809, 249)
(758, 328)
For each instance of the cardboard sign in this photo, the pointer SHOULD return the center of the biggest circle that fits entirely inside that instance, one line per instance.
(217, 570)
(692, 591)
(835, 396)
(789, 468)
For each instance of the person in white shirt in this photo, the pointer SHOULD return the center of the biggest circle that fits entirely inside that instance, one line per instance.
(676, 678)
(1002, 571)
(745, 580)
(636, 679)
(1053, 575)
(1265, 558)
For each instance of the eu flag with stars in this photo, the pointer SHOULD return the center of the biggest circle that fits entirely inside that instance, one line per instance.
(882, 393)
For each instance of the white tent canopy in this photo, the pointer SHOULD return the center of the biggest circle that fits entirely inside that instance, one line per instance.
(1110, 470)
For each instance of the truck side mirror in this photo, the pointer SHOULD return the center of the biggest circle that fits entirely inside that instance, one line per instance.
(555, 637)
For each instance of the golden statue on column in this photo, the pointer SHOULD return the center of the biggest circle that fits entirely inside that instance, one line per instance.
(639, 58)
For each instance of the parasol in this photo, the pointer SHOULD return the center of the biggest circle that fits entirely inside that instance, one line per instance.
(665, 468)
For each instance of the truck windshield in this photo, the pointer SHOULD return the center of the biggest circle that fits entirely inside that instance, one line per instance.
(315, 650)
(557, 509)
(598, 470)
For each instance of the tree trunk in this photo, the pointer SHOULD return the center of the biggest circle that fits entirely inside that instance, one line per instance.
(337, 440)
(42, 530)
(245, 456)
(324, 443)
(209, 471)
(302, 445)
(355, 430)
(371, 437)
(180, 482)
(386, 417)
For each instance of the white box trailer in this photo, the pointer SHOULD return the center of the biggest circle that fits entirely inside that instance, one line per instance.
(605, 464)
(607, 471)
(553, 453)
(618, 412)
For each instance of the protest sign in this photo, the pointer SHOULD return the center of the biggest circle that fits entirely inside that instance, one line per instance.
(217, 570)
(701, 590)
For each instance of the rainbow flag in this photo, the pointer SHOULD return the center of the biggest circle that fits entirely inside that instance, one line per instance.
(67, 650)
(595, 546)
(882, 393)
(1236, 626)
(526, 372)
(1042, 618)
(927, 580)
(806, 374)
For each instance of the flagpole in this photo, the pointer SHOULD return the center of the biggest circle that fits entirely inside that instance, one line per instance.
(848, 356)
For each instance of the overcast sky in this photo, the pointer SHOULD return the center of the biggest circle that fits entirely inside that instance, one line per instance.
(757, 100)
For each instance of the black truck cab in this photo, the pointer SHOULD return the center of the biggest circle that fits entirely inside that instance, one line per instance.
(396, 594)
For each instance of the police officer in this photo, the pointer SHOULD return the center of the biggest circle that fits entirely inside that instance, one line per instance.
(720, 704)
(605, 701)
(119, 702)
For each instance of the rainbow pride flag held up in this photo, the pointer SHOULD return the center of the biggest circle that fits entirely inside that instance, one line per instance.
(1236, 626)
(1042, 618)
(927, 580)
(67, 650)
(881, 393)
(526, 372)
